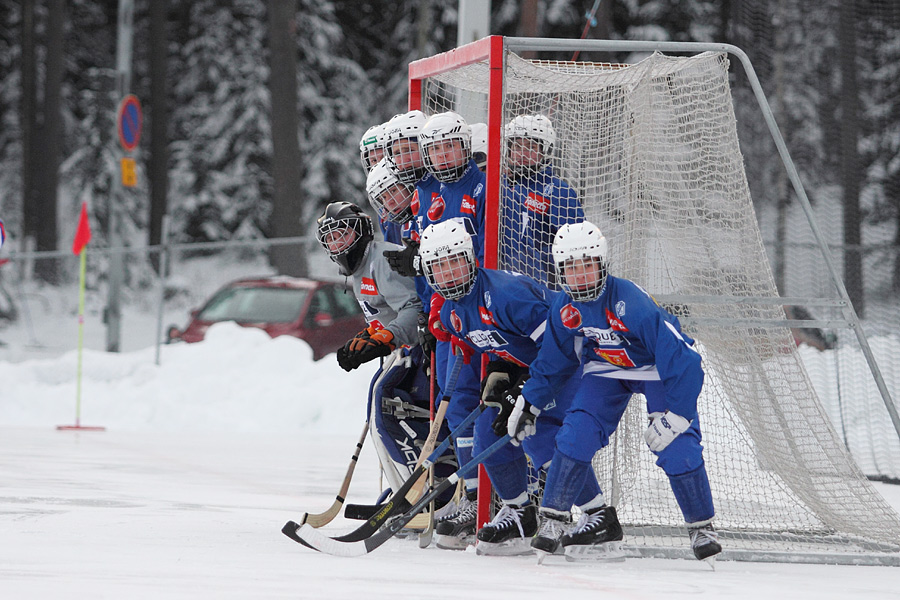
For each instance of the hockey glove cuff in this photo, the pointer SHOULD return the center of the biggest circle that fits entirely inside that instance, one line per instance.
(663, 429)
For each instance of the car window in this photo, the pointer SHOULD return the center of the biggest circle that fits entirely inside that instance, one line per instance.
(346, 304)
(255, 305)
(321, 303)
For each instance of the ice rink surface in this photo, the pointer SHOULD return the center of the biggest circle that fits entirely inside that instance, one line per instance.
(178, 515)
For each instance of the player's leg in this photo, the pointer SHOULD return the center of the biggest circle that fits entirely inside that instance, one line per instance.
(511, 529)
(596, 409)
(683, 463)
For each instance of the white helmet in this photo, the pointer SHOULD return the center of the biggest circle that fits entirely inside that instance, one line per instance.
(531, 127)
(371, 146)
(405, 126)
(441, 127)
(389, 196)
(581, 242)
(479, 143)
(439, 243)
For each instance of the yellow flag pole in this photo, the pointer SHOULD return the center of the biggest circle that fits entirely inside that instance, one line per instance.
(81, 285)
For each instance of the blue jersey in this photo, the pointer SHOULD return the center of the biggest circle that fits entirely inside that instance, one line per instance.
(462, 201)
(623, 334)
(2, 233)
(392, 232)
(504, 314)
(535, 208)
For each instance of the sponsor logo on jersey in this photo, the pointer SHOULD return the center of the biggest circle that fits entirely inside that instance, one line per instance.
(487, 338)
(414, 203)
(487, 298)
(368, 310)
(570, 316)
(537, 203)
(615, 323)
(437, 207)
(615, 356)
(468, 205)
(414, 235)
(455, 321)
(375, 324)
(487, 317)
(603, 336)
(367, 286)
(620, 308)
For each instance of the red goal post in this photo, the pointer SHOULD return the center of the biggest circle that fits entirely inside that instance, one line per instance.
(652, 153)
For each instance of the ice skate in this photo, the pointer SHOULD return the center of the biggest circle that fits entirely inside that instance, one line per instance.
(705, 543)
(509, 533)
(596, 537)
(457, 530)
(554, 526)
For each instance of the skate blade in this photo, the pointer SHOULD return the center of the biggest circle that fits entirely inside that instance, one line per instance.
(605, 552)
(711, 561)
(453, 542)
(515, 547)
(541, 556)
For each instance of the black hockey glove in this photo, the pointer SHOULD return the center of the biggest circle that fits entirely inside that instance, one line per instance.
(426, 338)
(500, 375)
(406, 262)
(344, 360)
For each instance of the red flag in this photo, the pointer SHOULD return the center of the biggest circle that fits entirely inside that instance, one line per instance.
(83, 233)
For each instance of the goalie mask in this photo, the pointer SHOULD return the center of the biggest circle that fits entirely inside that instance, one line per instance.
(345, 232)
(402, 145)
(372, 146)
(446, 145)
(389, 196)
(580, 254)
(529, 144)
(448, 259)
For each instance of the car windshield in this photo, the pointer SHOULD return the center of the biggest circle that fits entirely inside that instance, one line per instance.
(255, 305)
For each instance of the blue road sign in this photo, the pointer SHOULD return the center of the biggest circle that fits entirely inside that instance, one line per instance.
(129, 121)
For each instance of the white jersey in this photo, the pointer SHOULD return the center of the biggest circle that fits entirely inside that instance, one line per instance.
(388, 299)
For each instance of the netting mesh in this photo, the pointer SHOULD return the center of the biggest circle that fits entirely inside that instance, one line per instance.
(651, 153)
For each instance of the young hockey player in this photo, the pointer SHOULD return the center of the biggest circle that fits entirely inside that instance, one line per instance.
(625, 344)
(445, 144)
(391, 199)
(536, 202)
(372, 146)
(504, 315)
(399, 401)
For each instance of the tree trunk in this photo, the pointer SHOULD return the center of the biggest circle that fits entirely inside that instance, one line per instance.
(850, 171)
(528, 24)
(30, 209)
(50, 140)
(287, 212)
(159, 124)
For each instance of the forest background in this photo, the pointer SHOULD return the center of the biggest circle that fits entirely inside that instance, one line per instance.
(215, 81)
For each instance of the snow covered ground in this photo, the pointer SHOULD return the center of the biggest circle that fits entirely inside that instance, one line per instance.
(207, 455)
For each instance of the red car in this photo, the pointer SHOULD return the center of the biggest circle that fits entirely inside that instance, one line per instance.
(322, 313)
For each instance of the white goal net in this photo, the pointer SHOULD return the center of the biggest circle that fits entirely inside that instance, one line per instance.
(652, 154)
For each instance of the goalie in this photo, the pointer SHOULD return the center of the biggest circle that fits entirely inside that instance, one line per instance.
(398, 398)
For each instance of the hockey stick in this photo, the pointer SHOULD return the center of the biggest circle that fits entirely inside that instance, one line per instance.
(402, 498)
(323, 518)
(428, 533)
(313, 538)
(367, 511)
